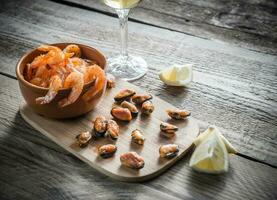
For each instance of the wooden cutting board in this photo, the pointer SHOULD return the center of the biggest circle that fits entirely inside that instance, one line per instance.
(63, 132)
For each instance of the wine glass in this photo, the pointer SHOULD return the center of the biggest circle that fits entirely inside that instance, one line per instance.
(125, 66)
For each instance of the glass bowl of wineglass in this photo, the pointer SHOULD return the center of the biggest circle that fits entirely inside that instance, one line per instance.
(125, 66)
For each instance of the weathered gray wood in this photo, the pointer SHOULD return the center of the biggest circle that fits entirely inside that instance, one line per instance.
(233, 88)
(249, 24)
(33, 167)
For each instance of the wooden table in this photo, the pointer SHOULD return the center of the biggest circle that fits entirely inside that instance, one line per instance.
(235, 88)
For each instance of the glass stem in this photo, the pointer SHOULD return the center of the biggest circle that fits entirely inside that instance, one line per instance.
(123, 23)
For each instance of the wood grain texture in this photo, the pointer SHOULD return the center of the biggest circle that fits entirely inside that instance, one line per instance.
(249, 24)
(33, 167)
(233, 88)
(64, 132)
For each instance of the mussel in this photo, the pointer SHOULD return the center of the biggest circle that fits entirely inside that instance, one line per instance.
(112, 129)
(83, 138)
(107, 151)
(178, 114)
(120, 113)
(137, 137)
(167, 127)
(169, 150)
(132, 160)
(147, 107)
(124, 95)
(100, 126)
(133, 109)
(139, 99)
(168, 130)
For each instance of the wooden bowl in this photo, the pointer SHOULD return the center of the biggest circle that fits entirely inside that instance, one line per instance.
(52, 110)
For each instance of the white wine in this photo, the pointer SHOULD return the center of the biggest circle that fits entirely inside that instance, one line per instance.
(122, 4)
(125, 66)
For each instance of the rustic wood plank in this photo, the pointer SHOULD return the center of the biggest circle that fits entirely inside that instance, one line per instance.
(33, 167)
(239, 85)
(249, 24)
(149, 125)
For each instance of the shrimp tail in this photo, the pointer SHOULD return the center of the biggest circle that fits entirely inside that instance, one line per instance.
(46, 99)
(91, 92)
(55, 85)
(76, 81)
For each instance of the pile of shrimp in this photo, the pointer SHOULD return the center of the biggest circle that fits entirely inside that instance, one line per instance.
(60, 69)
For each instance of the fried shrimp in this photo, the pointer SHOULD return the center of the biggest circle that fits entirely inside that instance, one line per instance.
(54, 56)
(90, 74)
(56, 69)
(74, 81)
(73, 49)
(99, 73)
(78, 64)
(55, 85)
(36, 81)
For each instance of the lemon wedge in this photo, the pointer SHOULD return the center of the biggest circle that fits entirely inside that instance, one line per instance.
(212, 130)
(177, 75)
(210, 156)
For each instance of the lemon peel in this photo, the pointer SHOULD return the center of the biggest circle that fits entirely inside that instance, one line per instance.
(177, 75)
(211, 152)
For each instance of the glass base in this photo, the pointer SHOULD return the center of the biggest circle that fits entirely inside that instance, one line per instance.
(127, 68)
